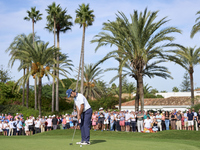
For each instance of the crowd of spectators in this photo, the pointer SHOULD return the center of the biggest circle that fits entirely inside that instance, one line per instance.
(127, 121)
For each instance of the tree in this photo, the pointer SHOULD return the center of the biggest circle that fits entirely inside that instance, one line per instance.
(84, 17)
(52, 11)
(34, 16)
(4, 75)
(185, 85)
(175, 89)
(42, 58)
(63, 24)
(196, 27)
(140, 42)
(15, 47)
(186, 57)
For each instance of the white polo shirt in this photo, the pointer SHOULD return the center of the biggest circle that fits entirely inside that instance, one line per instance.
(80, 99)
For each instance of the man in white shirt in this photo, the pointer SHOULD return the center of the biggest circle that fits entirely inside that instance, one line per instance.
(84, 113)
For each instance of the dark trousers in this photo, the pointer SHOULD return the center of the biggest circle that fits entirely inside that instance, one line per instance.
(37, 130)
(133, 123)
(14, 131)
(118, 126)
(85, 125)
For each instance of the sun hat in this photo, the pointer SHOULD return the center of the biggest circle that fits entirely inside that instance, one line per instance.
(101, 108)
(68, 92)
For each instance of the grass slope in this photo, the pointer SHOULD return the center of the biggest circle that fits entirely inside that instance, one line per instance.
(60, 139)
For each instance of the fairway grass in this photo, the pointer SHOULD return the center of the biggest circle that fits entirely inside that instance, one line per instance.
(60, 139)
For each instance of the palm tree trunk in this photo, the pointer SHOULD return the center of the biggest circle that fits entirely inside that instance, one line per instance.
(23, 89)
(192, 86)
(57, 74)
(82, 54)
(120, 89)
(79, 68)
(137, 97)
(35, 93)
(40, 95)
(53, 84)
(35, 88)
(27, 89)
(140, 80)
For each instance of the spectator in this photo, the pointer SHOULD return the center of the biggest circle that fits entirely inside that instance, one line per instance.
(14, 126)
(42, 120)
(155, 127)
(182, 120)
(163, 121)
(178, 122)
(54, 122)
(173, 121)
(167, 116)
(117, 117)
(74, 115)
(127, 121)
(71, 122)
(37, 126)
(106, 115)
(133, 121)
(198, 118)
(11, 127)
(195, 119)
(67, 122)
(94, 121)
(5, 125)
(112, 119)
(49, 123)
(101, 119)
(159, 117)
(30, 125)
(64, 122)
(19, 126)
(190, 117)
(27, 127)
(147, 125)
(185, 120)
(1, 128)
(140, 121)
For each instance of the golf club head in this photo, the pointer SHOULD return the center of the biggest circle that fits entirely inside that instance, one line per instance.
(70, 144)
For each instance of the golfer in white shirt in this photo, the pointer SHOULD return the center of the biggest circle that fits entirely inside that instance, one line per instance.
(84, 113)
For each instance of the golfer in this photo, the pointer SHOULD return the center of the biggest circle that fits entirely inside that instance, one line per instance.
(84, 113)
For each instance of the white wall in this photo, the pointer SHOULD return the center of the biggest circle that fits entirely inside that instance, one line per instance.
(178, 94)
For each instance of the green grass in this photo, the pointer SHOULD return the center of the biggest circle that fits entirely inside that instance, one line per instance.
(60, 139)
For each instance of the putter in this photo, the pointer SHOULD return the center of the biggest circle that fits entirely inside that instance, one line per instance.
(73, 135)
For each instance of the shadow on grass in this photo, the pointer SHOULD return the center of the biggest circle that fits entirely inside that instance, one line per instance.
(97, 141)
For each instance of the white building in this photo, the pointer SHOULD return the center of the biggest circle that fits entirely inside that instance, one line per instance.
(178, 94)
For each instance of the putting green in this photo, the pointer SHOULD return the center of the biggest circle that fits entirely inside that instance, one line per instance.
(61, 139)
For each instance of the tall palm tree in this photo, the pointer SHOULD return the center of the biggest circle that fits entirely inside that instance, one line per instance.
(63, 24)
(15, 46)
(34, 16)
(91, 77)
(187, 57)
(52, 11)
(42, 58)
(103, 38)
(141, 41)
(196, 27)
(84, 17)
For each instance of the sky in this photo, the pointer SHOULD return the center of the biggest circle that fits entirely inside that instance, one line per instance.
(181, 13)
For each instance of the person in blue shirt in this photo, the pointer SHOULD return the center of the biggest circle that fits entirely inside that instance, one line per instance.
(190, 117)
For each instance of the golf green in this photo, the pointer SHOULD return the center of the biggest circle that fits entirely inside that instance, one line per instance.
(61, 139)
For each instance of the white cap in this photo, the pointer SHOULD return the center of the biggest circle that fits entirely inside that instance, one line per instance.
(45, 117)
(101, 108)
(49, 116)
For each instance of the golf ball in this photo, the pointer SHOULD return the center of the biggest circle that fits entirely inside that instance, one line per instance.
(80, 145)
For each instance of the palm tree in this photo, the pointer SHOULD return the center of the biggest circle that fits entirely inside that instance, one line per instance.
(42, 58)
(141, 42)
(53, 10)
(91, 77)
(15, 46)
(63, 24)
(103, 38)
(84, 17)
(196, 27)
(34, 16)
(187, 58)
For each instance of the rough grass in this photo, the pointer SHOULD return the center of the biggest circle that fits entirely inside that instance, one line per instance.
(60, 139)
